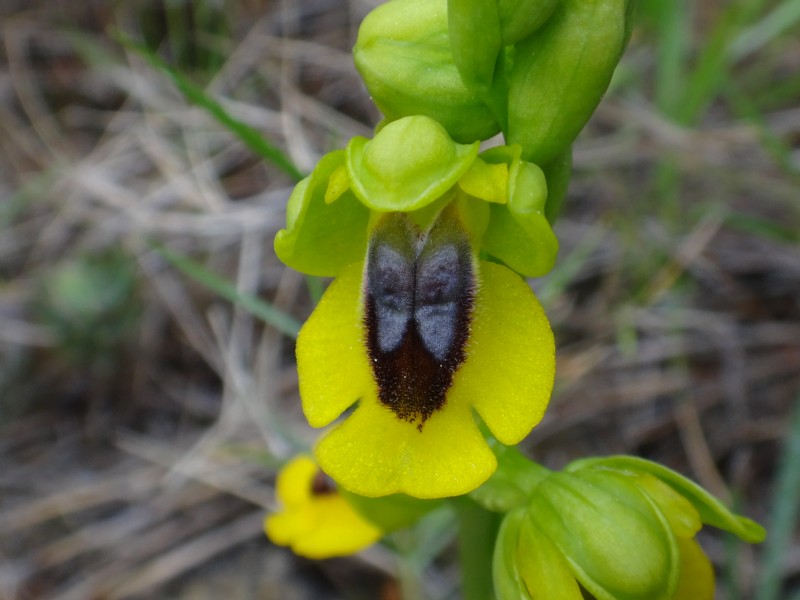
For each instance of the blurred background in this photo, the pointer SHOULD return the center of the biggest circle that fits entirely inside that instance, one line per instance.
(147, 380)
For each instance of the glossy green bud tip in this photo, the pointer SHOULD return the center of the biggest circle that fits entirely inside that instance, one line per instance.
(404, 57)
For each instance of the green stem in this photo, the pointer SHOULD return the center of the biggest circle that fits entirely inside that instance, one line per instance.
(477, 533)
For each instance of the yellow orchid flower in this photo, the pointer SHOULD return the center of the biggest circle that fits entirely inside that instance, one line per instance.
(422, 335)
(315, 521)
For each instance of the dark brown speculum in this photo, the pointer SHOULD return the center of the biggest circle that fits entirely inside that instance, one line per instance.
(322, 485)
(419, 296)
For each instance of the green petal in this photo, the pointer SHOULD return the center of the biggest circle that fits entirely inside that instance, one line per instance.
(546, 573)
(711, 510)
(526, 243)
(486, 181)
(407, 165)
(510, 366)
(373, 453)
(332, 365)
(519, 233)
(321, 238)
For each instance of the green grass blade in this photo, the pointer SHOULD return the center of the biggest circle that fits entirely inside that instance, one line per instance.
(785, 512)
(257, 307)
(672, 21)
(251, 137)
(762, 227)
(783, 17)
(706, 79)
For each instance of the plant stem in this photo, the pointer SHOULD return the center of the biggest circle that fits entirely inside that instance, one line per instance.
(477, 533)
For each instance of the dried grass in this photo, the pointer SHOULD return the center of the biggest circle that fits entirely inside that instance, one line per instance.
(678, 340)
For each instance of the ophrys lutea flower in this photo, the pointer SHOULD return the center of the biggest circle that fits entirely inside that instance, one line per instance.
(425, 338)
(314, 520)
(419, 336)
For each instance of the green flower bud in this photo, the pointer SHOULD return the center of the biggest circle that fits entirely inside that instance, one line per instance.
(404, 57)
(561, 72)
(621, 528)
(711, 511)
(618, 546)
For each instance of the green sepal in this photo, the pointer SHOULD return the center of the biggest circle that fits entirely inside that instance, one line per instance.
(322, 238)
(508, 583)
(513, 483)
(390, 513)
(519, 234)
(407, 165)
(618, 545)
(561, 72)
(711, 510)
(544, 568)
(404, 57)
(521, 18)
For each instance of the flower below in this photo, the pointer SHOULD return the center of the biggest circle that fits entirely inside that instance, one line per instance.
(315, 521)
(419, 336)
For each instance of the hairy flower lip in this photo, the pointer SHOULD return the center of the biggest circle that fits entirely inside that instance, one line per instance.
(506, 379)
(419, 292)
